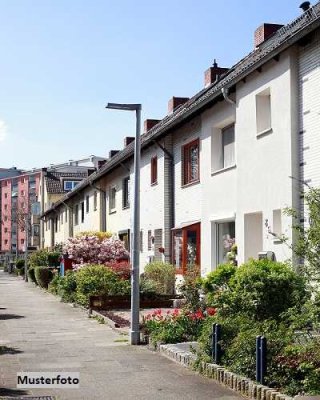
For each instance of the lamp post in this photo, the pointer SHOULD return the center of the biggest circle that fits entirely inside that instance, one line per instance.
(135, 245)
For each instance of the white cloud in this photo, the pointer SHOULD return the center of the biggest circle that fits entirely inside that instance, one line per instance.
(3, 130)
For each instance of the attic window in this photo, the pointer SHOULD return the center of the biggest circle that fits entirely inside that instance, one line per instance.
(69, 185)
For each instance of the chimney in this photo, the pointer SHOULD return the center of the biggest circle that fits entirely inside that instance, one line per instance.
(113, 153)
(128, 140)
(213, 73)
(175, 102)
(149, 124)
(264, 32)
(305, 6)
(101, 163)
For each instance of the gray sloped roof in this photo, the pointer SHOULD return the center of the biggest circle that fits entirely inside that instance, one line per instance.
(280, 41)
(54, 180)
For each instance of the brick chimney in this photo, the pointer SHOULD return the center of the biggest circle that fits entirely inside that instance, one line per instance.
(149, 124)
(101, 163)
(128, 140)
(113, 153)
(175, 102)
(264, 32)
(211, 74)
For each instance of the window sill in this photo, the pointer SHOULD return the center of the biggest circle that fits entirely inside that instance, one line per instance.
(154, 183)
(113, 211)
(220, 171)
(264, 133)
(125, 208)
(190, 184)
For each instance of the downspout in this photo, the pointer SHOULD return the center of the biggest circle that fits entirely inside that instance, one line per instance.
(43, 171)
(103, 207)
(225, 93)
(169, 156)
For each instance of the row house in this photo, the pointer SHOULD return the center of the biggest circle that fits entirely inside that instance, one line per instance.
(221, 167)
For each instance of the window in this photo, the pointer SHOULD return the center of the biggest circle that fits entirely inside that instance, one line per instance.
(6, 207)
(76, 214)
(126, 192)
(225, 241)
(228, 158)
(66, 215)
(95, 201)
(22, 193)
(69, 185)
(5, 230)
(22, 241)
(36, 230)
(124, 236)
(277, 224)
(61, 218)
(6, 242)
(5, 218)
(87, 204)
(154, 170)
(112, 199)
(263, 112)
(150, 240)
(82, 212)
(6, 195)
(56, 220)
(190, 157)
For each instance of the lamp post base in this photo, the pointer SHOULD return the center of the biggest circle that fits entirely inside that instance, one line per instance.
(134, 337)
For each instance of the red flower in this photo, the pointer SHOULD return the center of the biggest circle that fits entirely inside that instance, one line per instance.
(211, 311)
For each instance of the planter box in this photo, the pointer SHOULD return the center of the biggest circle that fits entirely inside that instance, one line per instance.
(119, 302)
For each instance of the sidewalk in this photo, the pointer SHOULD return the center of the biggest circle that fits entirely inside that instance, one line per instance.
(42, 334)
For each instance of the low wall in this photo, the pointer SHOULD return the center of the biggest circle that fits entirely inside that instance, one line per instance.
(182, 354)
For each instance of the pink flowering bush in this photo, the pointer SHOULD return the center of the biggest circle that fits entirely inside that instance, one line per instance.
(95, 249)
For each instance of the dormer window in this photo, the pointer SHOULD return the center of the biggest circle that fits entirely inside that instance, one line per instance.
(69, 185)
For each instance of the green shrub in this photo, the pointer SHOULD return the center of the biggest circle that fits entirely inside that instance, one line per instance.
(66, 287)
(54, 284)
(53, 258)
(219, 278)
(31, 274)
(148, 287)
(191, 288)
(43, 276)
(19, 271)
(297, 368)
(163, 274)
(98, 280)
(20, 263)
(173, 327)
(39, 258)
(260, 289)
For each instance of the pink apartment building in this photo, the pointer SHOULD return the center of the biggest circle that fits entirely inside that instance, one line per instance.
(17, 196)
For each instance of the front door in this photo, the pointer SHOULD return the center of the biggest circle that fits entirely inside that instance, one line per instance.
(186, 248)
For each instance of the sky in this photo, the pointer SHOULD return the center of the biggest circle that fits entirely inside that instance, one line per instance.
(62, 61)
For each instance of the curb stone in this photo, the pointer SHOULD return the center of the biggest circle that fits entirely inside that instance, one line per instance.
(244, 386)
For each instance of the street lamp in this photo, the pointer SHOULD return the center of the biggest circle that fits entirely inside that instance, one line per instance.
(135, 247)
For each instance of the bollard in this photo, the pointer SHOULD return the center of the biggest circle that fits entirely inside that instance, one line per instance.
(258, 359)
(263, 359)
(213, 341)
(217, 346)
